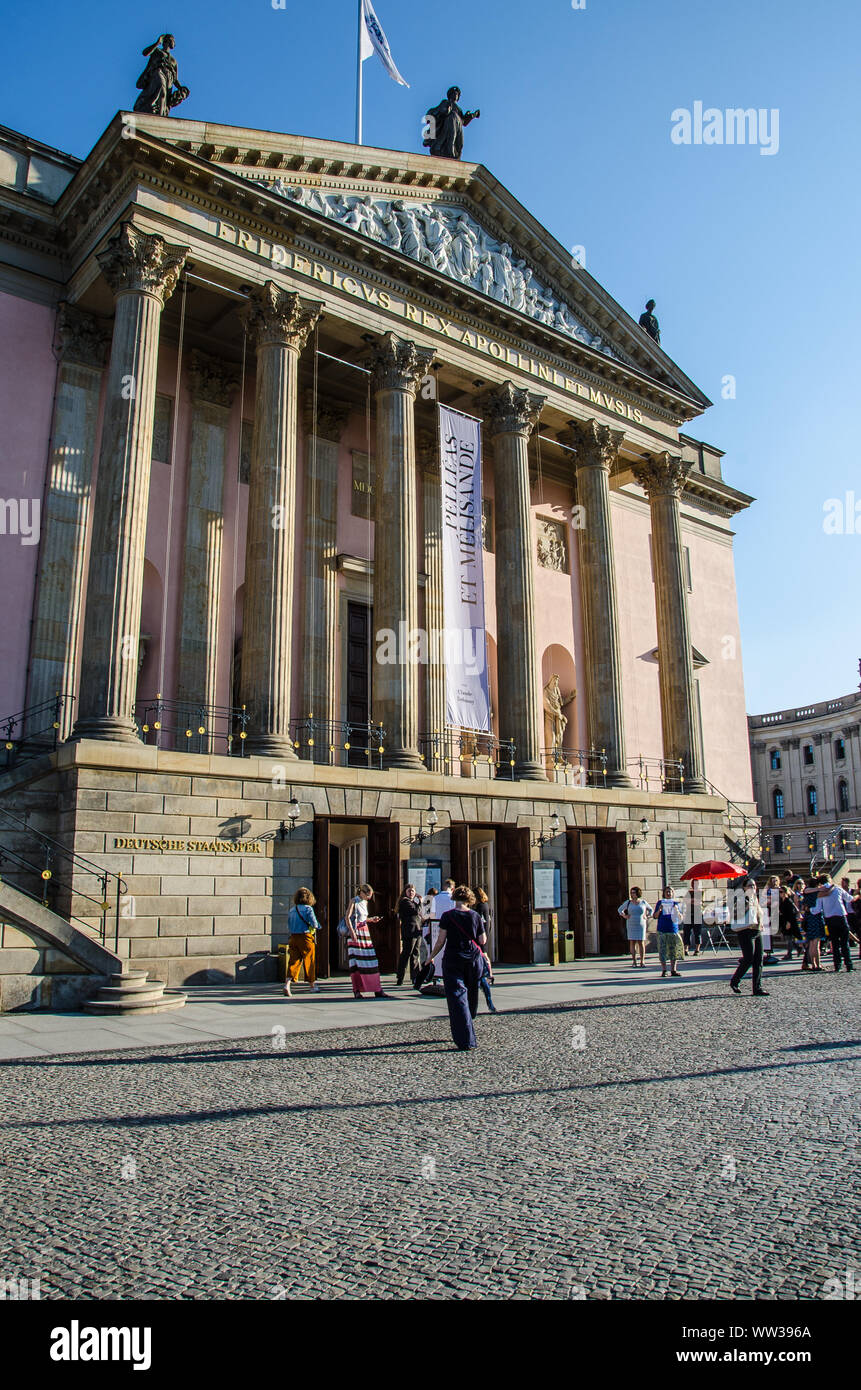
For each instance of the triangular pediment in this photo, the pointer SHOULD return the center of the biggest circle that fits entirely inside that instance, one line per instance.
(449, 216)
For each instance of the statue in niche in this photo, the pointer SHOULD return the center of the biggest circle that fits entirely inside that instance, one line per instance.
(554, 703)
(159, 87)
(446, 123)
(552, 552)
(649, 323)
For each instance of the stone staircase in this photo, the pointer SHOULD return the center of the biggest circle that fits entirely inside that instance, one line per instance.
(133, 992)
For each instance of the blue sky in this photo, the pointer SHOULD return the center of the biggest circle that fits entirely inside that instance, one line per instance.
(752, 258)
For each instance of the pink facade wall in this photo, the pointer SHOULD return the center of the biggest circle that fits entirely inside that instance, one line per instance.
(28, 373)
(27, 381)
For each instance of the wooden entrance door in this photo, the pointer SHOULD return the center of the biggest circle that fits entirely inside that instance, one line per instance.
(358, 680)
(321, 893)
(611, 853)
(576, 901)
(514, 895)
(384, 875)
(459, 849)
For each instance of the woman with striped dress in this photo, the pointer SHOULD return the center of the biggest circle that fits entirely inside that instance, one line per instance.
(361, 956)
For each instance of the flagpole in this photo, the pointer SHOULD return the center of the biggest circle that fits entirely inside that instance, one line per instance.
(359, 78)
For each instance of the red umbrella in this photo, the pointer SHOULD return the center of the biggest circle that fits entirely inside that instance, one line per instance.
(713, 868)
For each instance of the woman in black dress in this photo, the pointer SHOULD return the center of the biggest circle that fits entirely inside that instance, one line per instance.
(462, 932)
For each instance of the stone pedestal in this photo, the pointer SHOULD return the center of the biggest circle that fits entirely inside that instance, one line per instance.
(597, 447)
(320, 651)
(278, 322)
(56, 633)
(662, 477)
(142, 271)
(398, 366)
(512, 414)
(212, 384)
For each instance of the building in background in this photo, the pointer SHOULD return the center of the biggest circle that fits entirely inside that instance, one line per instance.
(807, 783)
(221, 357)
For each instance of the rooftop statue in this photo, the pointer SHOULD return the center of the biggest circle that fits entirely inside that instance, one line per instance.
(158, 83)
(444, 126)
(650, 323)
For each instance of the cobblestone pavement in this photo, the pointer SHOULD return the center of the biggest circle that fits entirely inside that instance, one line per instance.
(679, 1147)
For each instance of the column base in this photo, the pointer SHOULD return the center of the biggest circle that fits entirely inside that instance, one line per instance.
(112, 728)
(403, 758)
(271, 746)
(696, 786)
(618, 779)
(527, 771)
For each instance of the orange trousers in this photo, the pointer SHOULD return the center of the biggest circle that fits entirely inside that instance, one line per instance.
(301, 953)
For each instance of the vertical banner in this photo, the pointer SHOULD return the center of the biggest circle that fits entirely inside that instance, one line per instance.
(467, 693)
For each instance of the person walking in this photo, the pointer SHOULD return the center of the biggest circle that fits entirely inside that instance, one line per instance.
(814, 928)
(410, 917)
(636, 912)
(302, 925)
(746, 922)
(668, 917)
(361, 955)
(835, 904)
(790, 925)
(771, 917)
(485, 979)
(461, 936)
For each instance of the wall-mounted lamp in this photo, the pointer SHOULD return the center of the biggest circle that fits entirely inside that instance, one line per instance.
(422, 834)
(645, 829)
(543, 838)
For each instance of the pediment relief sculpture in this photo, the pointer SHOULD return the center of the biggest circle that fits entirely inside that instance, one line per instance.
(449, 240)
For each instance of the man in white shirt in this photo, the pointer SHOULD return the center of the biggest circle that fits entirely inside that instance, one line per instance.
(442, 902)
(833, 904)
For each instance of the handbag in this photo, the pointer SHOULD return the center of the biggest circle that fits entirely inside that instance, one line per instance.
(342, 927)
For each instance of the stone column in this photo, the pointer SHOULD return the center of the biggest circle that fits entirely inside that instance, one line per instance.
(398, 366)
(56, 633)
(435, 701)
(279, 322)
(320, 651)
(212, 384)
(662, 477)
(512, 414)
(142, 271)
(596, 450)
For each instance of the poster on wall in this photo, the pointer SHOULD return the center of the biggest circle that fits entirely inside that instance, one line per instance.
(423, 874)
(464, 638)
(546, 886)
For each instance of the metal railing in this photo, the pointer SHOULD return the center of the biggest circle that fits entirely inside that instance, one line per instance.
(192, 728)
(657, 774)
(57, 870)
(575, 767)
(32, 731)
(467, 753)
(337, 743)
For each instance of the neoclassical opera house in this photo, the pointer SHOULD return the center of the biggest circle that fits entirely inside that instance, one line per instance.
(223, 356)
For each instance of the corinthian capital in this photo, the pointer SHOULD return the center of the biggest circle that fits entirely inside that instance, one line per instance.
(594, 443)
(662, 475)
(210, 379)
(280, 318)
(397, 364)
(83, 338)
(135, 260)
(510, 409)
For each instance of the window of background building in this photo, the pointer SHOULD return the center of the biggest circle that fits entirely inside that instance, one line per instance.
(843, 795)
(775, 759)
(778, 844)
(808, 755)
(812, 801)
(162, 423)
(839, 748)
(778, 804)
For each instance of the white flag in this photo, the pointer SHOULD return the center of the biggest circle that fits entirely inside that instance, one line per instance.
(373, 40)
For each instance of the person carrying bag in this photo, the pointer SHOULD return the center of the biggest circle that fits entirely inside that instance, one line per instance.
(746, 922)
